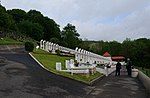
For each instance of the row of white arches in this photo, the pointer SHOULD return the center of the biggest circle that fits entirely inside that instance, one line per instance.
(81, 55)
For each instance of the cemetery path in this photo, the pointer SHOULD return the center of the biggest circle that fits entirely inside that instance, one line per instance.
(22, 77)
(118, 87)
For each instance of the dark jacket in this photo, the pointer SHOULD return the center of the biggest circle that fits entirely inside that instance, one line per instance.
(118, 66)
(129, 65)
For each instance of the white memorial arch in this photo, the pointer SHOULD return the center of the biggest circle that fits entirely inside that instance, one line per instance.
(81, 55)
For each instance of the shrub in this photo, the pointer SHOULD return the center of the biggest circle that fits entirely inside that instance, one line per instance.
(58, 52)
(54, 40)
(29, 46)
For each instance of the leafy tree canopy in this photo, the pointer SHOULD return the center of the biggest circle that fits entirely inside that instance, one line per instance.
(18, 14)
(70, 35)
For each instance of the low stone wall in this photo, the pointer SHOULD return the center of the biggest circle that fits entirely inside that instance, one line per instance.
(106, 71)
(145, 80)
(12, 48)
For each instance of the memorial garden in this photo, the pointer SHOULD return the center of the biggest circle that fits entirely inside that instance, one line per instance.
(41, 59)
(38, 58)
(49, 60)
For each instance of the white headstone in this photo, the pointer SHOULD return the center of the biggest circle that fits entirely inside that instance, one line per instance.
(67, 64)
(58, 66)
(49, 46)
(37, 47)
(76, 49)
(76, 54)
(60, 48)
(46, 46)
(72, 61)
(41, 44)
(82, 56)
(57, 47)
(53, 48)
(79, 55)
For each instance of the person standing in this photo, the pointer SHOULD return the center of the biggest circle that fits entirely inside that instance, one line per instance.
(129, 66)
(118, 67)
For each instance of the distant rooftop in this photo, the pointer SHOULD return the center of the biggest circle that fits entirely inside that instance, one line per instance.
(117, 58)
(106, 54)
(114, 58)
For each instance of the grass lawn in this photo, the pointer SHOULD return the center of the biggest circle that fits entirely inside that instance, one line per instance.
(99, 66)
(145, 71)
(8, 41)
(49, 60)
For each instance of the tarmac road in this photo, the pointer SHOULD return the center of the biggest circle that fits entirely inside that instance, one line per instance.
(22, 77)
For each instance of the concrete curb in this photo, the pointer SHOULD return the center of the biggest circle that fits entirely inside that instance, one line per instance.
(145, 80)
(92, 82)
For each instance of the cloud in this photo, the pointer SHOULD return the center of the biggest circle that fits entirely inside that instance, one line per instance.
(95, 19)
(133, 25)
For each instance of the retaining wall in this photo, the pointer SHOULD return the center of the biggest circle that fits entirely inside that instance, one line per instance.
(12, 48)
(106, 71)
(145, 80)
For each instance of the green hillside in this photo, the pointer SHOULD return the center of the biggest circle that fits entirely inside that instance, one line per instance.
(9, 41)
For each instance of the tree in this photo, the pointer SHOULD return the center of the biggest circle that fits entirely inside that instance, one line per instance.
(32, 23)
(115, 48)
(141, 52)
(54, 40)
(6, 22)
(51, 29)
(138, 51)
(37, 31)
(70, 36)
(127, 48)
(18, 15)
(35, 17)
(84, 44)
(2, 9)
(33, 30)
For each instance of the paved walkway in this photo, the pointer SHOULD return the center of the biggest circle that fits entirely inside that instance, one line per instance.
(121, 86)
(118, 87)
(22, 77)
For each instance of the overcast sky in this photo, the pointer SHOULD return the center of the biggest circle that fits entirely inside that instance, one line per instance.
(95, 19)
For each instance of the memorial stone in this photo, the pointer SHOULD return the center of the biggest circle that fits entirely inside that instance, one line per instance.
(58, 66)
